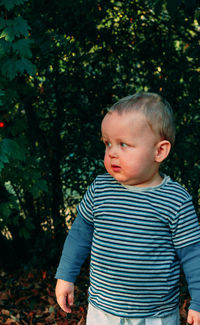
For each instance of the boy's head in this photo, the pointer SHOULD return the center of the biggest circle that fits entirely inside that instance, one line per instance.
(138, 132)
(157, 111)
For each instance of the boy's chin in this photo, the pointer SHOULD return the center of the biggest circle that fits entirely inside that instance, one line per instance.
(120, 179)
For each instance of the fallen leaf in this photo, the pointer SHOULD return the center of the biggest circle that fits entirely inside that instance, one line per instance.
(82, 321)
(44, 275)
(20, 300)
(50, 317)
(30, 275)
(4, 296)
(5, 312)
(51, 301)
(10, 321)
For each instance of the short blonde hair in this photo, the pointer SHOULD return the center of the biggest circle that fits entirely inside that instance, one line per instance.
(156, 109)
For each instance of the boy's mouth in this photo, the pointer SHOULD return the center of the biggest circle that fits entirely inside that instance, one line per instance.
(115, 168)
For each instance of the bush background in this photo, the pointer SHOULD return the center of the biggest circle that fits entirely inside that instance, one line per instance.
(62, 64)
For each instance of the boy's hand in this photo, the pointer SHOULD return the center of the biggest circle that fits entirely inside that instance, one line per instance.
(193, 317)
(65, 294)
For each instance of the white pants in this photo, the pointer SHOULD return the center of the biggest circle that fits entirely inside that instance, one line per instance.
(97, 317)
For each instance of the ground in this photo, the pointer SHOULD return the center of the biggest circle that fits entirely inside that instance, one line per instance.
(27, 297)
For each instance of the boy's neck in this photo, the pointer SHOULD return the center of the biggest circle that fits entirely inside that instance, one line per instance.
(153, 181)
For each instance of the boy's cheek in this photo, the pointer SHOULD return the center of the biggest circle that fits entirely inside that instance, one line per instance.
(107, 165)
(106, 161)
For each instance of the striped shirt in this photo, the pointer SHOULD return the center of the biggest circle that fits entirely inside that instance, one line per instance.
(134, 271)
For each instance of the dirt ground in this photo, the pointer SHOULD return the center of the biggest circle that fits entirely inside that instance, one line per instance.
(28, 297)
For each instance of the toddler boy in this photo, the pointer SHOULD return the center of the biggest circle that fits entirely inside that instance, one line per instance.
(138, 225)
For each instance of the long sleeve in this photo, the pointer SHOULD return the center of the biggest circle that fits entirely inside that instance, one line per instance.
(76, 249)
(189, 257)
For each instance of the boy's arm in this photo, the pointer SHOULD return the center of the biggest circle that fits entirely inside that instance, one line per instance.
(189, 257)
(76, 249)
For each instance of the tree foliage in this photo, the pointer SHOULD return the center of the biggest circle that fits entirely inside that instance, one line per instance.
(62, 64)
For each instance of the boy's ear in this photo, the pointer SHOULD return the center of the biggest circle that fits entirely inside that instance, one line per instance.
(162, 150)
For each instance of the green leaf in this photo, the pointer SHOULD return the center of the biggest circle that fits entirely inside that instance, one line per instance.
(1, 166)
(51, 309)
(43, 185)
(20, 26)
(35, 191)
(2, 23)
(10, 4)
(25, 65)
(5, 47)
(8, 33)
(16, 27)
(2, 94)
(8, 69)
(4, 158)
(22, 48)
(5, 210)
(38, 187)
(12, 149)
(12, 67)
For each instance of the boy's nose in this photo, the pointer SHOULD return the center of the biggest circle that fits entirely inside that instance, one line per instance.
(113, 152)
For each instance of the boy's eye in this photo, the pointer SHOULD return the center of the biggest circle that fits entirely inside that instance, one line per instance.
(123, 145)
(107, 144)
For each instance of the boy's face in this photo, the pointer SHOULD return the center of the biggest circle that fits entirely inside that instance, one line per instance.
(130, 149)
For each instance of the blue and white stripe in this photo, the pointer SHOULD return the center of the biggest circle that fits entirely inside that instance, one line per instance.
(134, 269)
